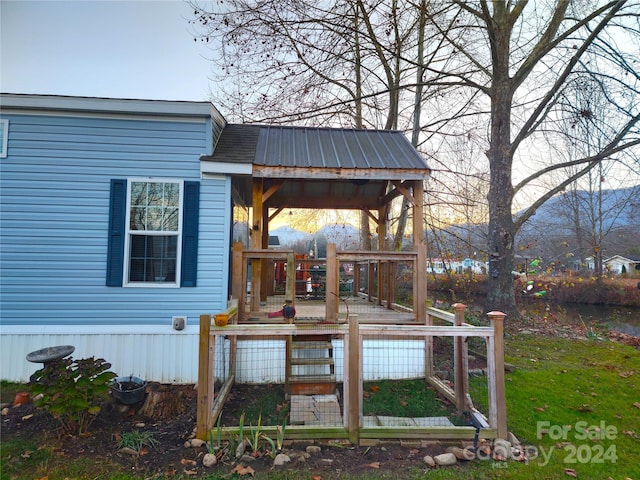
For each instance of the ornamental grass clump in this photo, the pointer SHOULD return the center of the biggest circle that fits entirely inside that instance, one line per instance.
(72, 391)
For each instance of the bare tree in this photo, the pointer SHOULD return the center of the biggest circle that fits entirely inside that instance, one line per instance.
(500, 66)
(524, 52)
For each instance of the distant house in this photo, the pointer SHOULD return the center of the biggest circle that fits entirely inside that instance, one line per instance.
(621, 265)
(440, 266)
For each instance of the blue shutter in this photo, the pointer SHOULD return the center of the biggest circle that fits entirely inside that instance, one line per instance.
(190, 219)
(115, 248)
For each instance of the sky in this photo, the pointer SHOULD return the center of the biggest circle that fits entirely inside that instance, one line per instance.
(141, 49)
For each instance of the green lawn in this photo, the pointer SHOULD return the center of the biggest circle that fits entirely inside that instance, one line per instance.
(574, 403)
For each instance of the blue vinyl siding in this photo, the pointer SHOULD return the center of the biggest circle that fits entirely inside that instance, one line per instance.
(54, 193)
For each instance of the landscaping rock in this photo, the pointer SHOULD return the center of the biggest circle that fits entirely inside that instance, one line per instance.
(196, 442)
(209, 460)
(501, 449)
(445, 459)
(241, 448)
(462, 453)
(428, 459)
(313, 449)
(299, 457)
(513, 439)
(128, 451)
(281, 459)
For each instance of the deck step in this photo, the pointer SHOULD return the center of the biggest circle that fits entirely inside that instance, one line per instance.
(313, 345)
(312, 379)
(310, 365)
(312, 361)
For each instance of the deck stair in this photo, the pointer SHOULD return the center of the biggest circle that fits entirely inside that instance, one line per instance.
(310, 368)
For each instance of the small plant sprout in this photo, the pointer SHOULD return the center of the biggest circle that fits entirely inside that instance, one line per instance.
(137, 441)
(280, 435)
(216, 446)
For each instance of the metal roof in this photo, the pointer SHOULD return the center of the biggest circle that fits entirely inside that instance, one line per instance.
(309, 147)
(319, 167)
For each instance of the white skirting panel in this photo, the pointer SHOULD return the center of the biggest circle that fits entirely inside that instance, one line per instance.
(161, 357)
(172, 357)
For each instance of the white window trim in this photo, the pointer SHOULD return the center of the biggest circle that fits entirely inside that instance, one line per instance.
(128, 233)
(4, 125)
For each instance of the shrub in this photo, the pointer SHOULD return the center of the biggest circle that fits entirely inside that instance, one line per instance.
(72, 391)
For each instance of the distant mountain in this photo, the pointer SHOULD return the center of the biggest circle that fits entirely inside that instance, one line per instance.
(345, 236)
(552, 231)
(620, 208)
(289, 236)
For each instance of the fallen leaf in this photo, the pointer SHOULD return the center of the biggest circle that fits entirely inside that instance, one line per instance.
(541, 409)
(373, 465)
(626, 374)
(571, 472)
(316, 477)
(242, 470)
(585, 407)
(188, 462)
(190, 472)
(46, 477)
(636, 404)
(404, 403)
(374, 388)
(26, 454)
(27, 417)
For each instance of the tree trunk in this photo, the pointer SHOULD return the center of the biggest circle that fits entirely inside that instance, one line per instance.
(501, 233)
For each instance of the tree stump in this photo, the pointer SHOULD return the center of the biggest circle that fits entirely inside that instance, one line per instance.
(162, 401)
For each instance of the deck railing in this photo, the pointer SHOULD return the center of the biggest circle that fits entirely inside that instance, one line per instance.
(352, 336)
(263, 276)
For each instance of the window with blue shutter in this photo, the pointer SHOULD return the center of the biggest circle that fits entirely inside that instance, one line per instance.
(153, 233)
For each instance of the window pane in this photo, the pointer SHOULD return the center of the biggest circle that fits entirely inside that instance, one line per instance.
(155, 194)
(138, 220)
(138, 193)
(153, 258)
(171, 194)
(154, 218)
(155, 206)
(170, 221)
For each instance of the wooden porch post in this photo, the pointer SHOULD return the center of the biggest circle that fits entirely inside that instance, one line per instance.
(461, 358)
(382, 241)
(497, 407)
(205, 379)
(420, 273)
(256, 243)
(420, 283)
(264, 263)
(353, 381)
(238, 277)
(332, 287)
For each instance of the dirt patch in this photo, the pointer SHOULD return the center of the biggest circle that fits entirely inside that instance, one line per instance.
(171, 457)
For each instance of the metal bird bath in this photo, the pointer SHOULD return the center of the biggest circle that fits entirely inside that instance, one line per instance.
(50, 355)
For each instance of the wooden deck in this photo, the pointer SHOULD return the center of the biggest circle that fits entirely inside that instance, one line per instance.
(314, 310)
